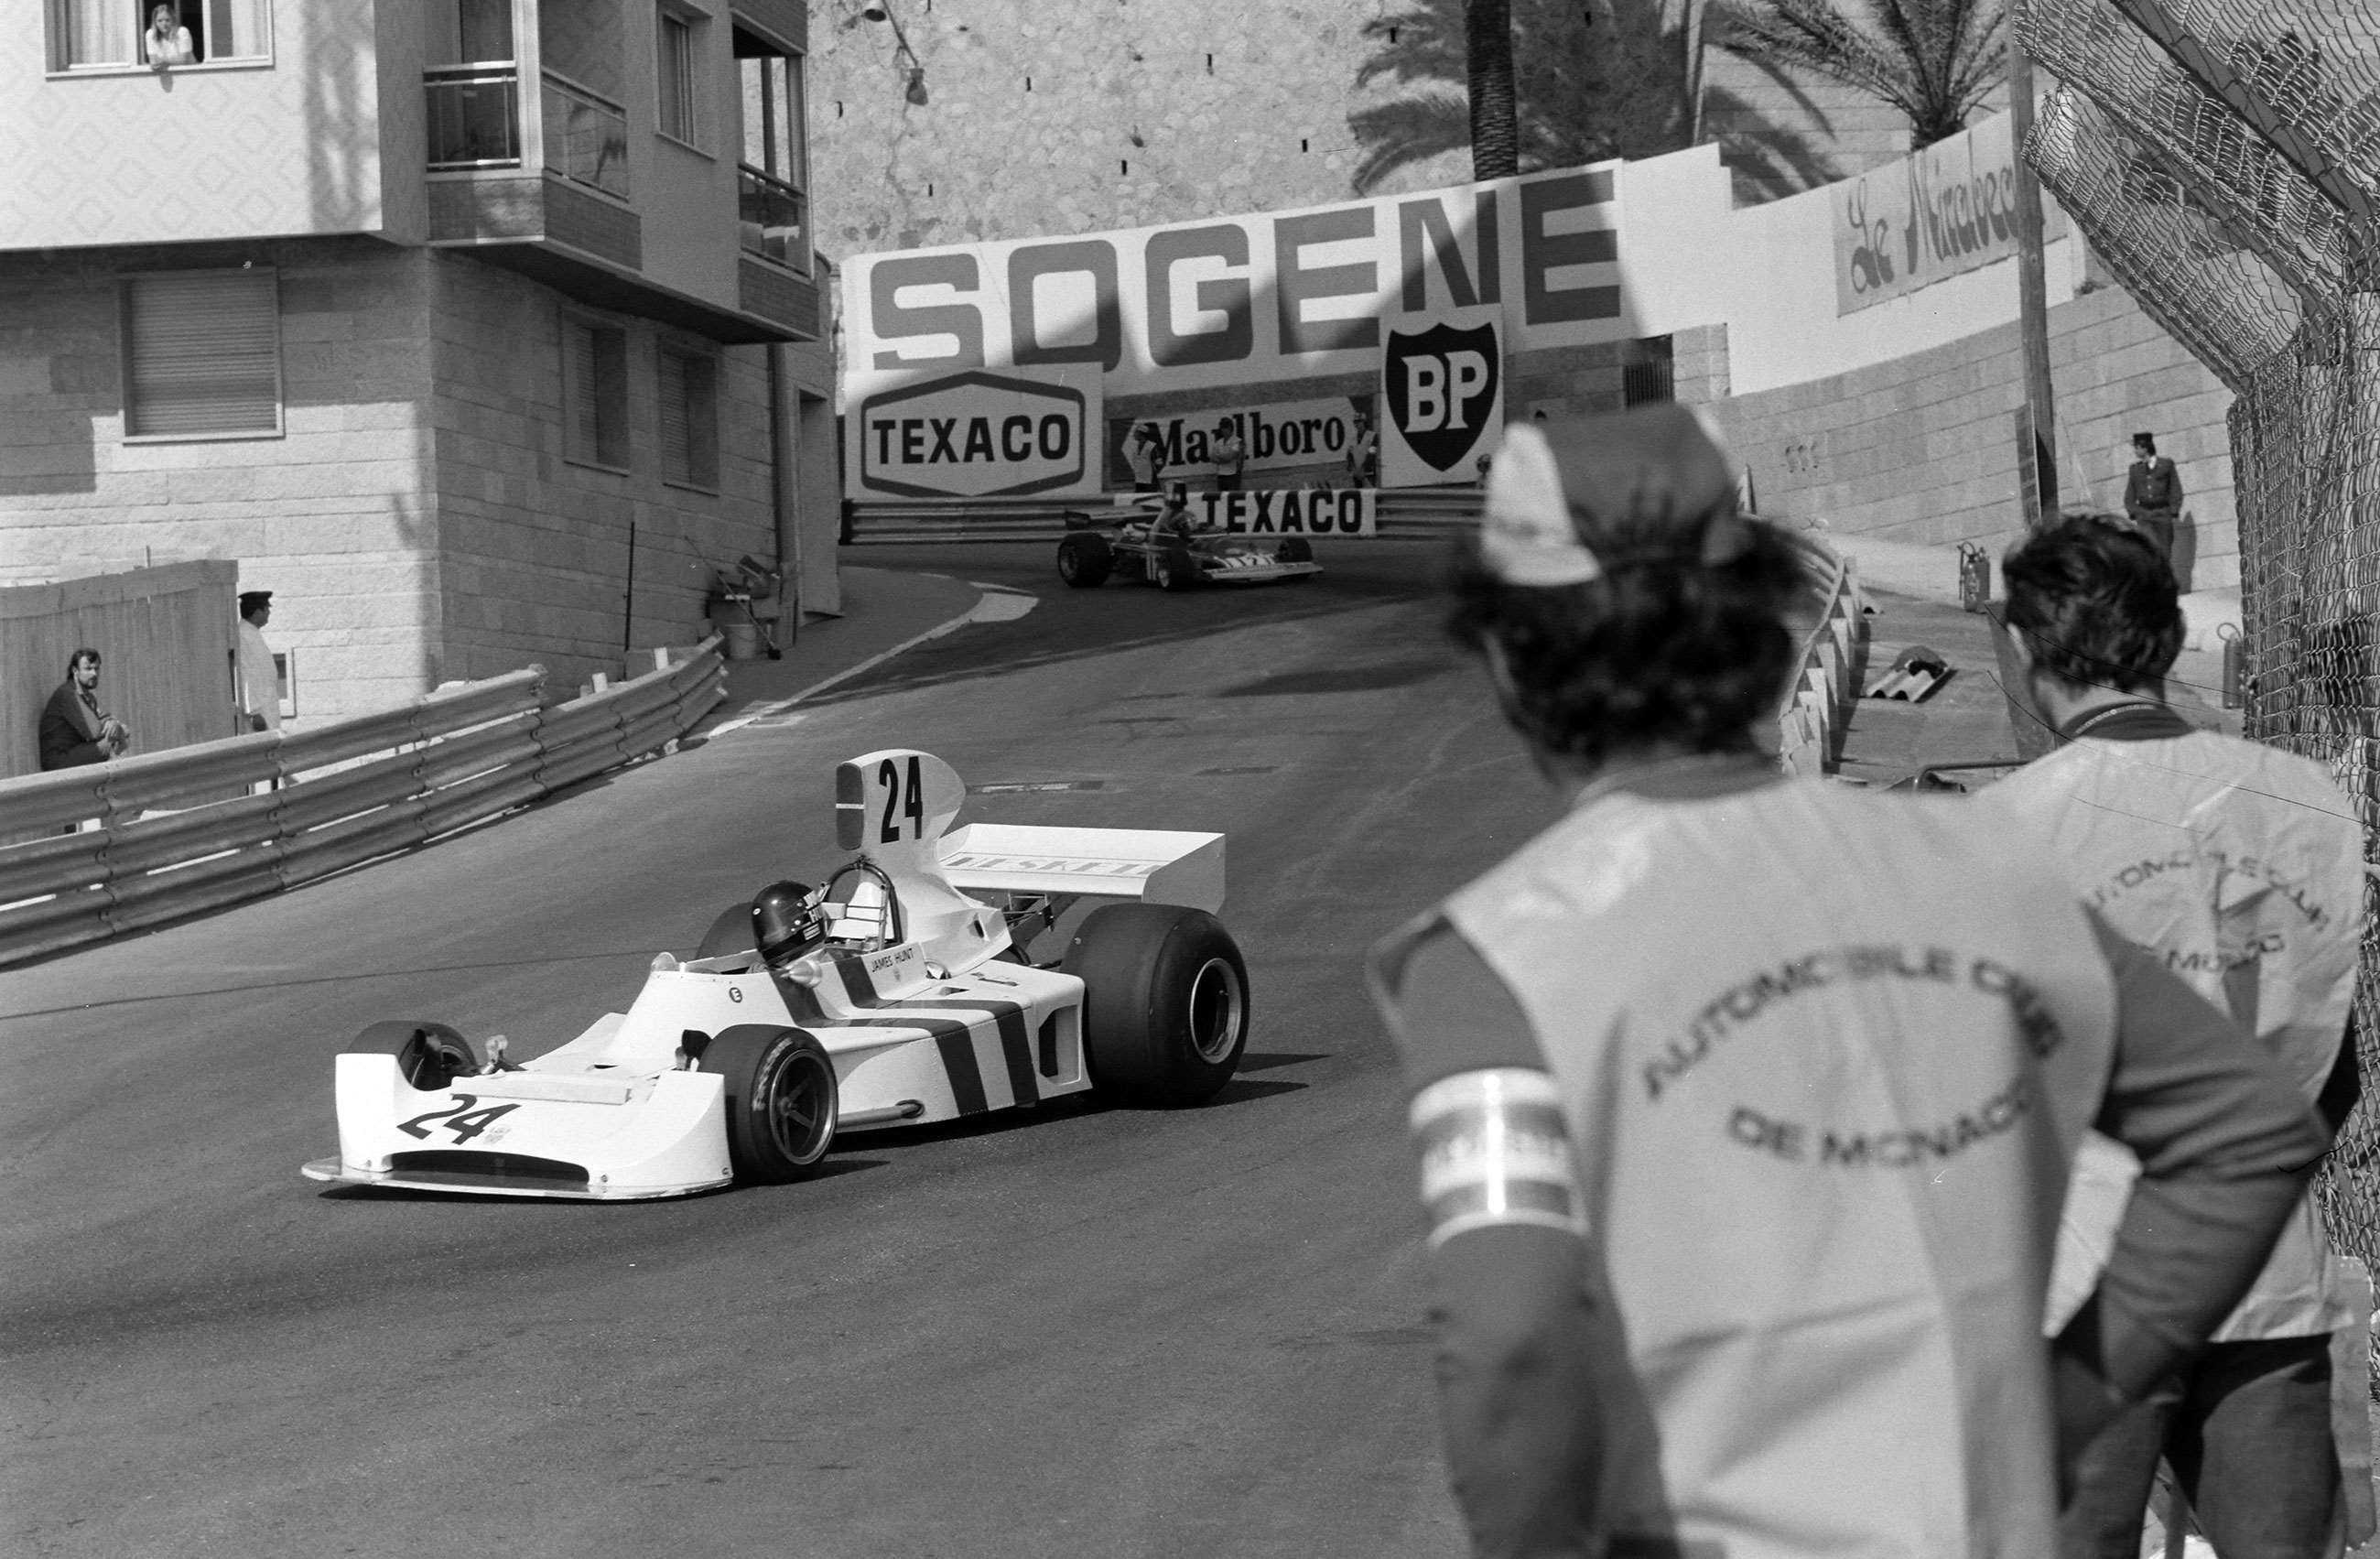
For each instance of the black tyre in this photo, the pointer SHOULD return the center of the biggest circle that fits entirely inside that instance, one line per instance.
(1176, 569)
(730, 932)
(1165, 1002)
(1297, 549)
(1085, 560)
(428, 1055)
(781, 1100)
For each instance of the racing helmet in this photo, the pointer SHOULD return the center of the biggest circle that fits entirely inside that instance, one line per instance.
(788, 921)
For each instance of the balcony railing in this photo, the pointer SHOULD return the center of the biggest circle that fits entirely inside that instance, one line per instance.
(770, 213)
(474, 115)
(586, 137)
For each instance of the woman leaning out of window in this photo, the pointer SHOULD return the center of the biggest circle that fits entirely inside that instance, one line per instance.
(167, 42)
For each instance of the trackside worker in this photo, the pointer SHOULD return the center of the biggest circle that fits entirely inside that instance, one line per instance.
(1745, 1104)
(2239, 867)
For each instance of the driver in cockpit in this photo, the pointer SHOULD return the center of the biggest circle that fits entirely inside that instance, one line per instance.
(1173, 521)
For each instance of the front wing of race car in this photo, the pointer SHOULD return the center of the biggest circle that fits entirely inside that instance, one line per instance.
(1251, 568)
(615, 1115)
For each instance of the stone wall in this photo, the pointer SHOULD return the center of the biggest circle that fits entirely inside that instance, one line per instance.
(533, 548)
(1924, 448)
(1788, 129)
(330, 515)
(1054, 116)
(416, 518)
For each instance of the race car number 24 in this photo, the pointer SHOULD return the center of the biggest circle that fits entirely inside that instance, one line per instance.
(460, 1117)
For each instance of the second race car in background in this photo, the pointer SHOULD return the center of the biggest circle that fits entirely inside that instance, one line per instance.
(1128, 542)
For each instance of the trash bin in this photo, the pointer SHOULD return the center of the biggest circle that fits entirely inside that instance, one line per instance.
(743, 641)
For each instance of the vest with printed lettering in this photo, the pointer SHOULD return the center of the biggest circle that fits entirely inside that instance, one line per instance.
(1826, 1058)
(2241, 867)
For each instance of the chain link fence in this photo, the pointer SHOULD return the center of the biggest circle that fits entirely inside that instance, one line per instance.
(2223, 157)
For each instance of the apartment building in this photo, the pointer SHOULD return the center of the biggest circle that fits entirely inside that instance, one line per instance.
(480, 332)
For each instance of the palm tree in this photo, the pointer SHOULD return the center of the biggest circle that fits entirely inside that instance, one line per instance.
(1592, 82)
(1495, 124)
(1934, 60)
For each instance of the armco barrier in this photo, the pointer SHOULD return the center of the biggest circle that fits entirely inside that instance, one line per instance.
(1817, 706)
(347, 793)
(1405, 514)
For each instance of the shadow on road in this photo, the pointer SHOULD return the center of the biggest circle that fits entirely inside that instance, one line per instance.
(1075, 625)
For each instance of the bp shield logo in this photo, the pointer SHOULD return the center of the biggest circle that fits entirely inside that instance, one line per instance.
(1443, 386)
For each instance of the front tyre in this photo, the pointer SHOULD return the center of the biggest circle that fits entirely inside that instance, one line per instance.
(428, 1055)
(1165, 1002)
(781, 1100)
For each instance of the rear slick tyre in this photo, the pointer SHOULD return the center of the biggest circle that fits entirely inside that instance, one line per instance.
(428, 1055)
(1083, 561)
(1165, 1003)
(781, 1099)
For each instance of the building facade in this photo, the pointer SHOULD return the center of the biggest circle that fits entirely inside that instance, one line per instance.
(480, 332)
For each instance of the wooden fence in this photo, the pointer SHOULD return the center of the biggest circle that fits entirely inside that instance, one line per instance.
(165, 637)
(347, 793)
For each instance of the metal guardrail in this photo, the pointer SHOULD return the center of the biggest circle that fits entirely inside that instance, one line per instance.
(442, 763)
(1405, 514)
(1816, 709)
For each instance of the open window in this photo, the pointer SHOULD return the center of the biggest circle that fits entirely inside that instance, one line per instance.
(773, 162)
(119, 34)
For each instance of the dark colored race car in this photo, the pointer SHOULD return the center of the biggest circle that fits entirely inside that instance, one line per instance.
(1133, 543)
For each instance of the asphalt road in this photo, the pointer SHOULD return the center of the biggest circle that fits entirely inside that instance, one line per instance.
(1071, 1331)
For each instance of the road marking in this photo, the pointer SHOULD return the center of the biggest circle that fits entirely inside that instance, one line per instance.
(983, 611)
(1030, 787)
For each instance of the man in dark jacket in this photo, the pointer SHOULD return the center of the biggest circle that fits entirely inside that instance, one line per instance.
(2153, 495)
(75, 730)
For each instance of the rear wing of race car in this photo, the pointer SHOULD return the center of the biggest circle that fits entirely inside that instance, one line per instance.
(1156, 865)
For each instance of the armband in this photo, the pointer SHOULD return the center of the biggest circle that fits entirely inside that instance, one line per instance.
(1495, 1149)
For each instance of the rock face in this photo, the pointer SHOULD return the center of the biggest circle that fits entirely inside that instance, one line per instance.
(1055, 116)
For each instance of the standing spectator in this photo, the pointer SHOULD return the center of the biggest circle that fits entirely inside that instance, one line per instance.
(1364, 453)
(259, 680)
(73, 729)
(167, 42)
(1784, 1298)
(2239, 866)
(2153, 495)
(1230, 453)
(1144, 453)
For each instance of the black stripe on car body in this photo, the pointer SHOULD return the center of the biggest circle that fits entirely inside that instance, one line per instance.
(1016, 1044)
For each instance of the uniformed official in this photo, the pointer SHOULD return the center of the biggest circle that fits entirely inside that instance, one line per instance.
(2239, 867)
(1745, 1104)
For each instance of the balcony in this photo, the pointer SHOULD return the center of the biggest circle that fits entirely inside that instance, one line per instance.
(769, 212)
(571, 223)
(586, 137)
(474, 117)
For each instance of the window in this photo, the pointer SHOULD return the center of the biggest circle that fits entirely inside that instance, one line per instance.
(202, 354)
(774, 157)
(775, 141)
(112, 34)
(677, 117)
(595, 393)
(689, 385)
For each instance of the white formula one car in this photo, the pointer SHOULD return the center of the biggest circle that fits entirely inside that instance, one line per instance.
(899, 993)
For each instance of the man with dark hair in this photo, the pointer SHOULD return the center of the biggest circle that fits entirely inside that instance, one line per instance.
(2153, 494)
(259, 679)
(1744, 1106)
(2239, 868)
(73, 729)
(1230, 453)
